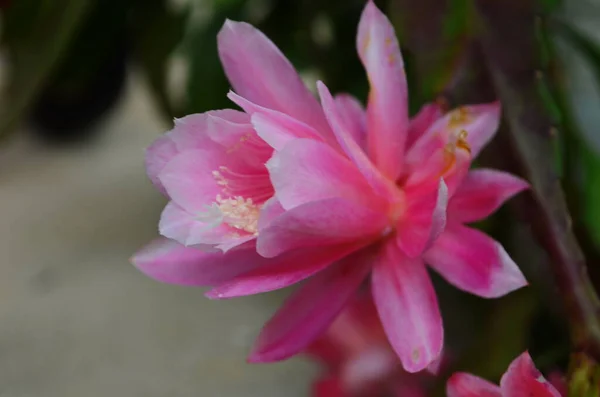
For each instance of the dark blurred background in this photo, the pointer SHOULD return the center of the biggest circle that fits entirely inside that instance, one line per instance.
(88, 84)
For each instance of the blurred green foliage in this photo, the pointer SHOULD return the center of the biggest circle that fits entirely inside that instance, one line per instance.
(35, 33)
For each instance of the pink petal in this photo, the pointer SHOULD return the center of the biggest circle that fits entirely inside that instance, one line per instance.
(423, 221)
(481, 193)
(480, 122)
(270, 211)
(277, 129)
(321, 223)
(419, 124)
(187, 229)
(190, 132)
(353, 116)
(387, 111)
(259, 71)
(407, 306)
(239, 140)
(329, 385)
(188, 179)
(348, 143)
(558, 380)
(467, 385)
(307, 170)
(158, 155)
(310, 310)
(282, 271)
(169, 262)
(450, 163)
(226, 127)
(522, 379)
(474, 262)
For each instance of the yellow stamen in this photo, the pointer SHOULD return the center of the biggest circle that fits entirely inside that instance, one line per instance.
(459, 117)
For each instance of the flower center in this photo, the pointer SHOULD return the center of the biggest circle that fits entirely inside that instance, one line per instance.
(241, 199)
(239, 213)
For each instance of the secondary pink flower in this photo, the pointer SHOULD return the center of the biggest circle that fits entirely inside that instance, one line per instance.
(521, 379)
(358, 359)
(345, 193)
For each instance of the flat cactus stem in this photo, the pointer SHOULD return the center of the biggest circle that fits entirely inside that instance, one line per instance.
(509, 46)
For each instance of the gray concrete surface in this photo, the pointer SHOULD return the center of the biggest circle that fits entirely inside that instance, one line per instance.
(76, 319)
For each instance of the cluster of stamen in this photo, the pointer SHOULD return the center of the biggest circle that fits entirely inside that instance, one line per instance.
(235, 210)
(221, 180)
(450, 149)
(239, 213)
(459, 117)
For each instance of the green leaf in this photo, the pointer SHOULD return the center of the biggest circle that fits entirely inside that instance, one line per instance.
(36, 33)
(158, 31)
(207, 85)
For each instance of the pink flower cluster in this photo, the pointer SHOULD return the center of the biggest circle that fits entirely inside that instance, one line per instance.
(292, 189)
(359, 362)
(521, 379)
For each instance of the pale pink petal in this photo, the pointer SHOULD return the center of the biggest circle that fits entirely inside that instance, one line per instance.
(466, 385)
(270, 210)
(423, 221)
(188, 229)
(348, 143)
(407, 305)
(277, 129)
(320, 223)
(354, 117)
(428, 114)
(189, 133)
(479, 122)
(370, 369)
(481, 193)
(170, 262)
(387, 110)
(474, 262)
(189, 180)
(158, 155)
(450, 163)
(259, 72)
(307, 170)
(239, 140)
(310, 310)
(522, 379)
(282, 271)
(227, 127)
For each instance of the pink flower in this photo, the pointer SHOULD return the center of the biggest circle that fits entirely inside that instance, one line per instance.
(358, 359)
(345, 194)
(521, 379)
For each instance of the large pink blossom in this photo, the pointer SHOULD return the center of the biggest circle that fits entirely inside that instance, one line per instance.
(521, 379)
(292, 189)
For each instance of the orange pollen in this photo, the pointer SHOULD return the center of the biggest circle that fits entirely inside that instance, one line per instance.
(238, 144)
(459, 117)
(461, 141)
(449, 158)
(391, 59)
